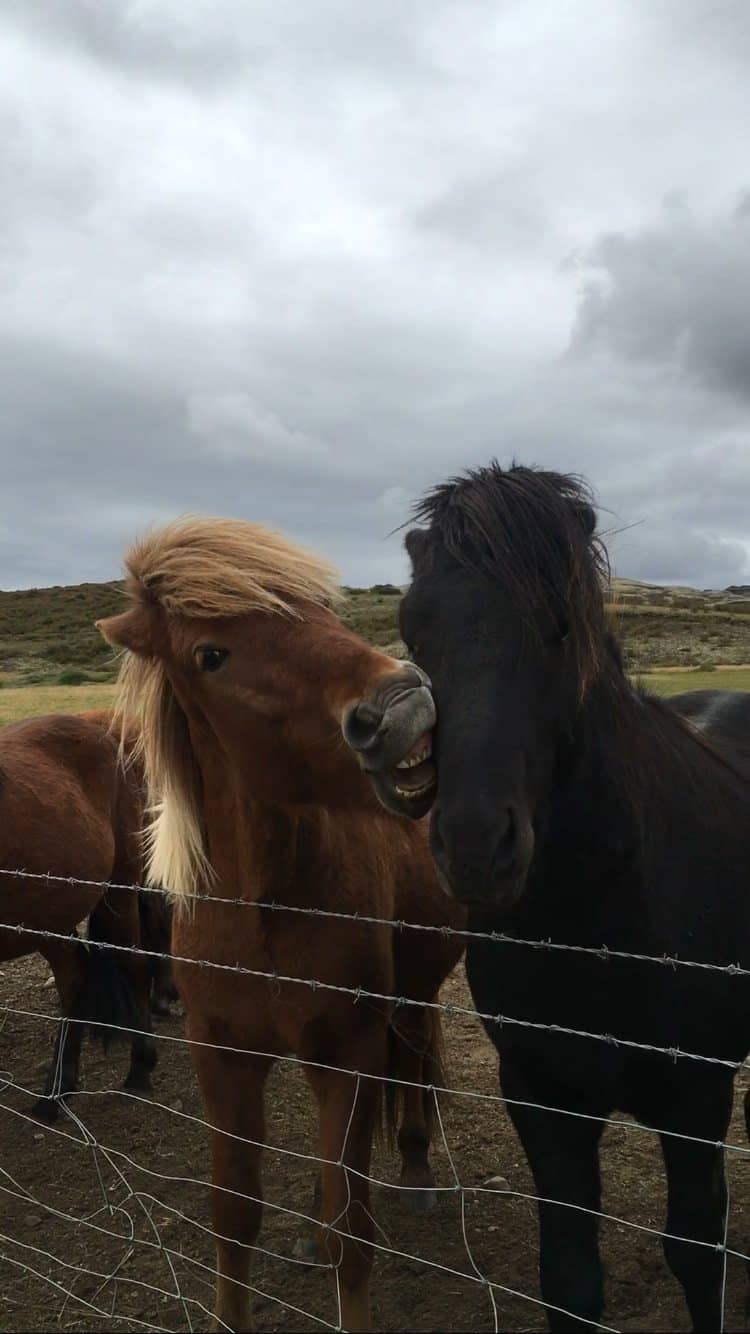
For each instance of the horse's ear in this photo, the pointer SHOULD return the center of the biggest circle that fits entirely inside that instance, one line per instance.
(133, 630)
(587, 515)
(415, 543)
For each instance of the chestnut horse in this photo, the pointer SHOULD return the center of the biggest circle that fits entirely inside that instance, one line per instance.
(68, 808)
(240, 677)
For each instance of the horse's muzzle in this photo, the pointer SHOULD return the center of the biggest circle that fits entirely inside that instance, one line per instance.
(390, 733)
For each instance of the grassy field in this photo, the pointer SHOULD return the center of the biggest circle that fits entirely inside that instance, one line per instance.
(25, 701)
(48, 636)
(52, 658)
(674, 682)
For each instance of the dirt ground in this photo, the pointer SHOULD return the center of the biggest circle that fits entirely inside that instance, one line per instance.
(139, 1168)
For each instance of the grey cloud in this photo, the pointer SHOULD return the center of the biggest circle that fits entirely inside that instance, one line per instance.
(676, 293)
(298, 262)
(670, 554)
(499, 212)
(144, 39)
(212, 42)
(717, 27)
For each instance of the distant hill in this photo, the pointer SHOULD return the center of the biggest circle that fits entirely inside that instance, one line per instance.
(48, 634)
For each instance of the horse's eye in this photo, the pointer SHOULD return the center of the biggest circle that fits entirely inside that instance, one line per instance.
(211, 659)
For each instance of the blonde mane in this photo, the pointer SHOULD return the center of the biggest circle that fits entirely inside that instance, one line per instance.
(198, 567)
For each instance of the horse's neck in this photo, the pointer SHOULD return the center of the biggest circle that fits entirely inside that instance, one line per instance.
(255, 848)
(593, 825)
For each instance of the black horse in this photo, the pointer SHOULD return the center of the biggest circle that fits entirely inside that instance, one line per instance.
(575, 808)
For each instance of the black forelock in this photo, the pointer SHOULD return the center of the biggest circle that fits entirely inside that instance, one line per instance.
(531, 530)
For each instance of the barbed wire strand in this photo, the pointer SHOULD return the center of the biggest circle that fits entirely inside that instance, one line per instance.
(739, 1150)
(362, 993)
(602, 952)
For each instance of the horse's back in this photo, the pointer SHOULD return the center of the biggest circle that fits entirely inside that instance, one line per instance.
(724, 717)
(56, 759)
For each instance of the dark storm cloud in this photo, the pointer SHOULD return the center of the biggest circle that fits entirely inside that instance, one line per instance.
(298, 262)
(675, 294)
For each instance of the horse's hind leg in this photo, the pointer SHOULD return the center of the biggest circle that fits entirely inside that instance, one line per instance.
(68, 965)
(415, 1064)
(697, 1195)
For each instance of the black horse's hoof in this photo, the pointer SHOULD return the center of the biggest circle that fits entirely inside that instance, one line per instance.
(418, 1199)
(138, 1081)
(46, 1110)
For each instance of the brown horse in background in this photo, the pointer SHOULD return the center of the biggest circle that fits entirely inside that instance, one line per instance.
(241, 677)
(69, 808)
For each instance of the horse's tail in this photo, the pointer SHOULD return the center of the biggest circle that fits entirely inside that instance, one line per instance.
(155, 910)
(413, 1033)
(113, 1003)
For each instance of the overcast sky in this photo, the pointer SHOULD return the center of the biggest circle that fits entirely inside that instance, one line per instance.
(296, 260)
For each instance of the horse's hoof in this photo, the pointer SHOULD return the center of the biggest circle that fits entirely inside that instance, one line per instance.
(307, 1249)
(46, 1110)
(418, 1199)
(138, 1082)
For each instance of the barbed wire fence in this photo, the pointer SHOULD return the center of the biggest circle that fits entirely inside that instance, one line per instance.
(136, 1218)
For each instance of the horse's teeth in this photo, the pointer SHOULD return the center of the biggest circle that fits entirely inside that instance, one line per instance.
(413, 792)
(412, 761)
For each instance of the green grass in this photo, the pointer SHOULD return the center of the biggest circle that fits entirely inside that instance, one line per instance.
(673, 683)
(26, 701)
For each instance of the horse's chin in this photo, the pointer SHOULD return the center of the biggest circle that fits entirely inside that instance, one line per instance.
(411, 799)
(497, 901)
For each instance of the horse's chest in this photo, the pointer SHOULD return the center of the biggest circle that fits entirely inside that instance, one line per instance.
(541, 999)
(272, 971)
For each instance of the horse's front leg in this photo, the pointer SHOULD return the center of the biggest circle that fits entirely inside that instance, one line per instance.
(233, 1088)
(348, 1106)
(563, 1154)
(697, 1194)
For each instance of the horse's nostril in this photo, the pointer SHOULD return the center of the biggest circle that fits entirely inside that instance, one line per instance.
(361, 724)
